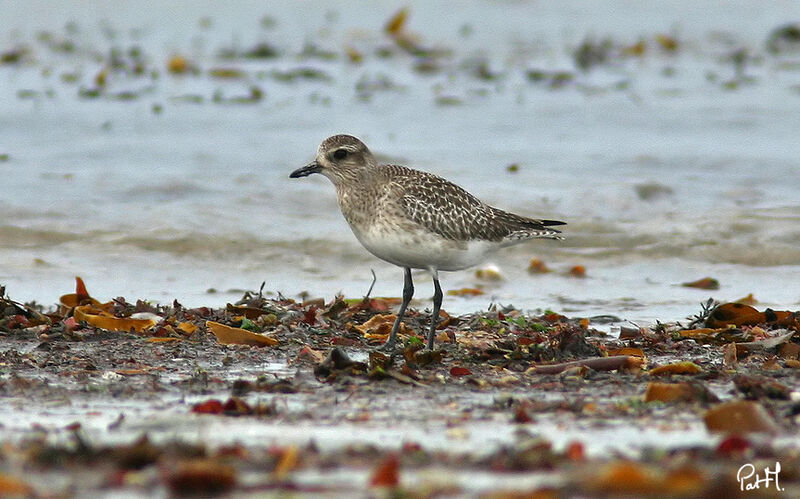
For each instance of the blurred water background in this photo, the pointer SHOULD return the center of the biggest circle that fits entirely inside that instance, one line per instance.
(146, 146)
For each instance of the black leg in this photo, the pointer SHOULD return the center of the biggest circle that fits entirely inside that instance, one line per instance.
(408, 293)
(437, 305)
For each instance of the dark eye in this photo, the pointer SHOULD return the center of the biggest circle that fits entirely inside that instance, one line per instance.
(340, 154)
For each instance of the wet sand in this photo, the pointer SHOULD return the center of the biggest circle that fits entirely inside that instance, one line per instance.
(171, 410)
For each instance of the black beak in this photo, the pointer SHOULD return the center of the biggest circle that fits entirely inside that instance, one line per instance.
(305, 171)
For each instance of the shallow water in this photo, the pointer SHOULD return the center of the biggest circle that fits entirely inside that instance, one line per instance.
(667, 167)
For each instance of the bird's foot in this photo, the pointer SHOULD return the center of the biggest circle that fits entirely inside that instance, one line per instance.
(389, 347)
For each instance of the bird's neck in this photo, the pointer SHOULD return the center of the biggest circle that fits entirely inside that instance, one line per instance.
(357, 195)
(356, 179)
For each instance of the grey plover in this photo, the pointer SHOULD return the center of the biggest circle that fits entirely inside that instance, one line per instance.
(414, 219)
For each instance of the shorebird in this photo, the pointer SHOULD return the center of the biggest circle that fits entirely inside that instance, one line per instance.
(416, 220)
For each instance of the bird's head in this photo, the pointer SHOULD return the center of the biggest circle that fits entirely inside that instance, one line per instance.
(338, 157)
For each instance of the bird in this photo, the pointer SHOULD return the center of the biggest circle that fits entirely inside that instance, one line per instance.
(415, 219)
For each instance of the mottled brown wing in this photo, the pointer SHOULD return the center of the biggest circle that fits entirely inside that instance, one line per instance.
(448, 210)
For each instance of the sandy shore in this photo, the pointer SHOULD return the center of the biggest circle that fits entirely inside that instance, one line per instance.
(507, 404)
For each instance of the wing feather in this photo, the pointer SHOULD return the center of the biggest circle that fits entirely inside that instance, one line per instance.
(450, 211)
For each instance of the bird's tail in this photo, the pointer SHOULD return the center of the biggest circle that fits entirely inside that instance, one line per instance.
(522, 228)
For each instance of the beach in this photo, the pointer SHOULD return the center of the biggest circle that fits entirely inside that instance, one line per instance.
(147, 148)
(270, 396)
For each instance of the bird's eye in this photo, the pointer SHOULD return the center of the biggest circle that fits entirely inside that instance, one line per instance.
(340, 154)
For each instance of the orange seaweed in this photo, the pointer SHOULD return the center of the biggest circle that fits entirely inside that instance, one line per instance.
(235, 335)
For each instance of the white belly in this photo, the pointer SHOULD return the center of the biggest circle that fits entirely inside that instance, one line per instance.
(424, 250)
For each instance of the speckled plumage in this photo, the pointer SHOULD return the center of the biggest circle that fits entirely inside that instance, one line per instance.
(415, 219)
